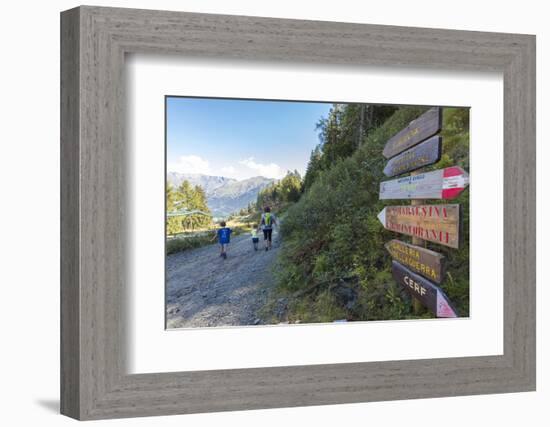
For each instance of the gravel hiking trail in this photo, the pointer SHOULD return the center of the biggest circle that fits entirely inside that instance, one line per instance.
(204, 289)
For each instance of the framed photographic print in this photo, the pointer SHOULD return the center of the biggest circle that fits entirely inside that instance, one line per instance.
(247, 202)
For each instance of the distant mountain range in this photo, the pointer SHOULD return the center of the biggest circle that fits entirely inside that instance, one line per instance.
(224, 195)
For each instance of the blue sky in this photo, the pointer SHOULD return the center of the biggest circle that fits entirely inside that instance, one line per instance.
(240, 138)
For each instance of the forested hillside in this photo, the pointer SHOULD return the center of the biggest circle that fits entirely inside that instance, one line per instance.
(282, 193)
(333, 264)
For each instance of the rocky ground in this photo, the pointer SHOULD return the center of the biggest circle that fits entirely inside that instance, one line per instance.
(204, 289)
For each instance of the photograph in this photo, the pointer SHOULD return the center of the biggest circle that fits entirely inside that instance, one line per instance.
(278, 209)
(283, 212)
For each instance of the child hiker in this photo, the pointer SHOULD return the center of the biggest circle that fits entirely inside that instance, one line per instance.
(254, 234)
(223, 234)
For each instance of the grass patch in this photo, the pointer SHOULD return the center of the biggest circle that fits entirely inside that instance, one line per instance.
(180, 244)
(184, 242)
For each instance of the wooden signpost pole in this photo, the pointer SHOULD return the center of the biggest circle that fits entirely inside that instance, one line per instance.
(417, 305)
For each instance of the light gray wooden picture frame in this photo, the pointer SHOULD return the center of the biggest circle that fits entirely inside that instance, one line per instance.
(94, 41)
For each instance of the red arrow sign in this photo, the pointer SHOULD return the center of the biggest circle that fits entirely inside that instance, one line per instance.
(455, 180)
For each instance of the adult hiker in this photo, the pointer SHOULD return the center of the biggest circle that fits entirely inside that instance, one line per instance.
(267, 222)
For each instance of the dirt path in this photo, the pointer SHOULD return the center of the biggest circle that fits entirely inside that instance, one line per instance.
(205, 290)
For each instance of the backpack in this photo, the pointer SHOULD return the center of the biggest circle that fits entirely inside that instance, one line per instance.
(267, 219)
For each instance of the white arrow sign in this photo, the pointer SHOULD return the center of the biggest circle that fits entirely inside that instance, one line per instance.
(445, 183)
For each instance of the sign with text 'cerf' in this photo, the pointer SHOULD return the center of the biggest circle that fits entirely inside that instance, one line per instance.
(423, 290)
(425, 262)
(428, 124)
(435, 223)
(445, 183)
(423, 154)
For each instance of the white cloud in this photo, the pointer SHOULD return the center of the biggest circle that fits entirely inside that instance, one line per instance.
(271, 170)
(245, 168)
(190, 164)
(233, 172)
(229, 170)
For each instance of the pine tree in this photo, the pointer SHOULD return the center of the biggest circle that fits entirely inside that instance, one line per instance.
(187, 198)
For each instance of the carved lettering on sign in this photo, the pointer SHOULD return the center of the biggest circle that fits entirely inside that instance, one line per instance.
(424, 154)
(423, 261)
(430, 295)
(435, 223)
(425, 126)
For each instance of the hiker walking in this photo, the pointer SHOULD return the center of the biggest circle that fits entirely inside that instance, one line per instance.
(254, 234)
(223, 234)
(267, 222)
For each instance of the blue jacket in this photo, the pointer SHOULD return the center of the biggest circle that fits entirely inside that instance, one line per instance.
(224, 235)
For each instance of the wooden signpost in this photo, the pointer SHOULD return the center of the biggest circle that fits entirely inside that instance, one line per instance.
(423, 154)
(445, 184)
(428, 124)
(435, 223)
(414, 266)
(427, 293)
(423, 261)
